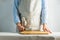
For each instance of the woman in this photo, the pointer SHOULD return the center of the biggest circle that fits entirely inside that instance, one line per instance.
(33, 11)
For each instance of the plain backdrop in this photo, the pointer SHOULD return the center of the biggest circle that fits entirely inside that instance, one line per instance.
(6, 15)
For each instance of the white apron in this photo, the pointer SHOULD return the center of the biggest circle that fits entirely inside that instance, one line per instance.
(31, 10)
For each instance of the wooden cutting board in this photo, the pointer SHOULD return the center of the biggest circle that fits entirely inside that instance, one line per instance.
(34, 32)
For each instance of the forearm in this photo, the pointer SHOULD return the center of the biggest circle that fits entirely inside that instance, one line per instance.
(44, 14)
(15, 12)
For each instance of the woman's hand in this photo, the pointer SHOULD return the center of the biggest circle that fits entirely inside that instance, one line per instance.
(20, 27)
(46, 29)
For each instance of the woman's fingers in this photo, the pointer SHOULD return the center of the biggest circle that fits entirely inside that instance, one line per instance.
(47, 30)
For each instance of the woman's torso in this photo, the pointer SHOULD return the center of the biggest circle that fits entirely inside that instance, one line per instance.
(31, 9)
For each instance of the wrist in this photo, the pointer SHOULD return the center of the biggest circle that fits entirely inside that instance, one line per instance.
(44, 25)
(18, 24)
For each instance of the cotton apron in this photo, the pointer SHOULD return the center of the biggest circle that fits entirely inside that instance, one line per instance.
(31, 10)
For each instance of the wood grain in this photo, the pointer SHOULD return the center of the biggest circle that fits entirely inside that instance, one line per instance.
(34, 32)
